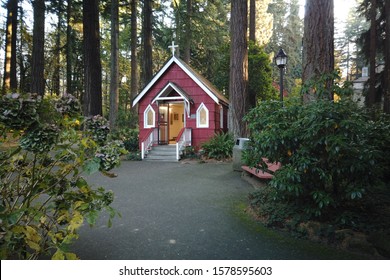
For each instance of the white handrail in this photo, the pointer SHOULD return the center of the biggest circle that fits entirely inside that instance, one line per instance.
(148, 142)
(184, 141)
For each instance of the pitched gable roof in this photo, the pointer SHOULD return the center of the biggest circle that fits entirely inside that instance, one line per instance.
(201, 81)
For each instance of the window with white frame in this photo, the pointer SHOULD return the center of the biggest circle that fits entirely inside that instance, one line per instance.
(202, 116)
(221, 116)
(149, 117)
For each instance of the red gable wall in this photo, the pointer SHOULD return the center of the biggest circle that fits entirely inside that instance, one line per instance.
(175, 74)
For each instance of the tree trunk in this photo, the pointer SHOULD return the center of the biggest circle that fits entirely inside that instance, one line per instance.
(252, 20)
(92, 103)
(69, 48)
(372, 81)
(188, 33)
(10, 81)
(238, 87)
(114, 89)
(147, 41)
(318, 43)
(134, 58)
(386, 105)
(38, 52)
(56, 53)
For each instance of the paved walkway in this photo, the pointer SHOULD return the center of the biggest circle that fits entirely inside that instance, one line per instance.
(185, 211)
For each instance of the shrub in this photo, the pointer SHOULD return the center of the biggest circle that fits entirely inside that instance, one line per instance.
(98, 128)
(219, 147)
(19, 111)
(327, 150)
(43, 197)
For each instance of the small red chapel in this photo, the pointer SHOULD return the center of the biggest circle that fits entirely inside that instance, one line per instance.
(179, 107)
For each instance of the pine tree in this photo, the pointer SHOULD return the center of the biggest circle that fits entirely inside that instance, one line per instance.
(92, 99)
(318, 43)
(38, 58)
(238, 68)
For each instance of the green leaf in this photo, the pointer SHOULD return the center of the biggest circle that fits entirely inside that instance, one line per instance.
(91, 166)
(58, 255)
(91, 217)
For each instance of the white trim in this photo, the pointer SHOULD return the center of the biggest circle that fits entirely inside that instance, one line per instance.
(146, 125)
(221, 117)
(198, 124)
(186, 70)
(182, 96)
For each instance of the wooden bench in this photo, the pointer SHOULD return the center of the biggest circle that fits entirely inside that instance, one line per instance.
(260, 173)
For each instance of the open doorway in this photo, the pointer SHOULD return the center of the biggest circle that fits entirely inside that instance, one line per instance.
(171, 121)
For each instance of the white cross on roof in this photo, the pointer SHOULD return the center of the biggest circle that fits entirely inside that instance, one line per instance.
(173, 48)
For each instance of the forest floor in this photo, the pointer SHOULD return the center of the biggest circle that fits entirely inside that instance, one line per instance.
(370, 235)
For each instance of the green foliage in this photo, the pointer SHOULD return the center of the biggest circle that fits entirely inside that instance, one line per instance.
(260, 74)
(40, 139)
(326, 85)
(19, 111)
(220, 146)
(98, 128)
(44, 198)
(109, 155)
(332, 153)
(68, 105)
(129, 137)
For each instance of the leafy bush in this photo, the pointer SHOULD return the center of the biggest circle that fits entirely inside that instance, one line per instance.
(40, 139)
(98, 128)
(43, 197)
(19, 111)
(219, 147)
(68, 105)
(331, 153)
(129, 137)
(109, 155)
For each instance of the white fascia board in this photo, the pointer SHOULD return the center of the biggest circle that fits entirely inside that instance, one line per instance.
(197, 81)
(186, 70)
(152, 82)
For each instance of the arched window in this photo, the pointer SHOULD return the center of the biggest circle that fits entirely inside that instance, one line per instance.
(149, 117)
(202, 116)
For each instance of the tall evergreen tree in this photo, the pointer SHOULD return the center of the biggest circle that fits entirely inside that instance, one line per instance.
(10, 80)
(92, 99)
(373, 33)
(147, 41)
(134, 56)
(373, 43)
(318, 42)
(238, 88)
(114, 79)
(386, 91)
(38, 53)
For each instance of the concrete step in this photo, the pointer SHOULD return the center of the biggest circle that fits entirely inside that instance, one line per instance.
(162, 153)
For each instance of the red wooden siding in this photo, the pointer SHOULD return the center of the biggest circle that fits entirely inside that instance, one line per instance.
(175, 74)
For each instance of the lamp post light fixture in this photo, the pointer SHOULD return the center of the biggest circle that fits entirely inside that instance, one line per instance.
(281, 61)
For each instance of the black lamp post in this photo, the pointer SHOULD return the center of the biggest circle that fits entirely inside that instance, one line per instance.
(281, 61)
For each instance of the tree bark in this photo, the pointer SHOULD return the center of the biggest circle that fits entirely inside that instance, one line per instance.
(114, 89)
(252, 20)
(318, 42)
(56, 52)
(69, 48)
(147, 41)
(38, 52)
(92, 103)
(371, 98)
(238, 87)
(386, 105)
(134, 58)
(10, 81)
(188, 33)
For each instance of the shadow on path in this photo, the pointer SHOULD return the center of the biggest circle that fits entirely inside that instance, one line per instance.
(185, 211)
